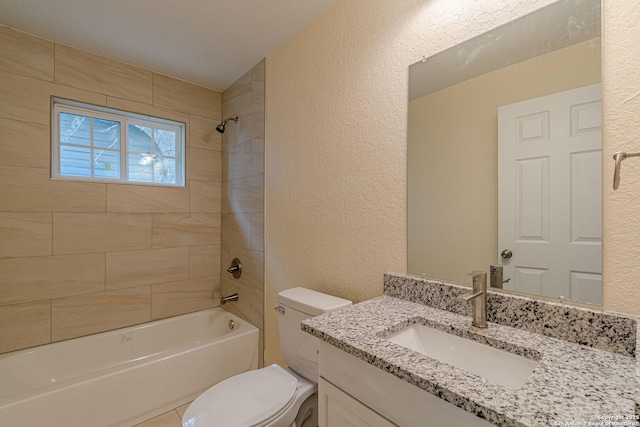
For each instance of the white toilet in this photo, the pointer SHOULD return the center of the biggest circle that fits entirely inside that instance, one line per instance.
(272, 396)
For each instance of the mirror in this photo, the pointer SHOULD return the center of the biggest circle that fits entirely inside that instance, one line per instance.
(485, 174)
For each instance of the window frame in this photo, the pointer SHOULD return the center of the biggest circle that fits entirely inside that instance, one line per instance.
(125, 118)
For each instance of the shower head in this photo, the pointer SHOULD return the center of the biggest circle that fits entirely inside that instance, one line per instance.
(220, 127)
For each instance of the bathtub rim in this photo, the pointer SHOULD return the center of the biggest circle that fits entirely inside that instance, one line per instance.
(244, 328)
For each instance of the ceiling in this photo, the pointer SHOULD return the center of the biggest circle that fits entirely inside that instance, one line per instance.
(208, 42)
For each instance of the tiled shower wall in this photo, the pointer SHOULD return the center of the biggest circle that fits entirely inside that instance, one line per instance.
(76, 257)
(243, 196)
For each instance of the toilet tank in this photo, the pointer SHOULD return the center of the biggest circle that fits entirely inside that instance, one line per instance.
(299, 349)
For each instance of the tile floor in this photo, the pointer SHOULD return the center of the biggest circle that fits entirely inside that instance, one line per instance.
(172, 418)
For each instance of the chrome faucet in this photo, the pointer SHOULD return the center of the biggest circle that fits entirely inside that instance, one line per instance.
(496, 277)
(478, 299)
(232, 297)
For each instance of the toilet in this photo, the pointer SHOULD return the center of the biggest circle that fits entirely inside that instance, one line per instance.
(272, 396)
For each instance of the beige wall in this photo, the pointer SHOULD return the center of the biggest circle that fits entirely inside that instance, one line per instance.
(243, 195)
(78, 258)
(456, 166)
(621, 104)
(336, 102)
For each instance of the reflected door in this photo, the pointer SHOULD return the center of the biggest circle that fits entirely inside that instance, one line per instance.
(550, 195)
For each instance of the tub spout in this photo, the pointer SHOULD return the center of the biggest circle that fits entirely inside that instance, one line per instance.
(224, 300)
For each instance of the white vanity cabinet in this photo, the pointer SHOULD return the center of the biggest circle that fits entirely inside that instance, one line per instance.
(353, 393)
(337, 408)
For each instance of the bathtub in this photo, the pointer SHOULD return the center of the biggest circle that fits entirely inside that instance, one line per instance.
(123, 377)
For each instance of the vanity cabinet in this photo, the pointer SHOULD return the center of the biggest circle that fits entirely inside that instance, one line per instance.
(354, 393)
(337, 408)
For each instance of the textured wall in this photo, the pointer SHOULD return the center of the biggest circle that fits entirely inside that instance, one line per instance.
(621, 103)
(336, 122)
(82, 257)
(336, 143)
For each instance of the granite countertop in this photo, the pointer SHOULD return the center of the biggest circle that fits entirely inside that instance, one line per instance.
(572, 383)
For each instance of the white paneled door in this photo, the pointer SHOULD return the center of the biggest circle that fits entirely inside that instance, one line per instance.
(550, 195)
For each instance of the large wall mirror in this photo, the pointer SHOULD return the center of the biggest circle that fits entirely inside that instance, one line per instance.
(504, 156)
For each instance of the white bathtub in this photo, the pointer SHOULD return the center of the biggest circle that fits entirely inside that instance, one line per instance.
(123, 377)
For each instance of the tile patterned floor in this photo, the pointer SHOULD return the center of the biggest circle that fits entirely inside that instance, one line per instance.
(168, 419)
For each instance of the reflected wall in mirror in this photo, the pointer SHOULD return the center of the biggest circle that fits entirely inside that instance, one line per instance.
(504, 153)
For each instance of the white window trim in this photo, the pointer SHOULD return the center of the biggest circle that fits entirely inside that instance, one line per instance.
(125, 118)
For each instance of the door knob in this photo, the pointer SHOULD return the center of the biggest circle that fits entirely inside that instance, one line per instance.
(506, 254)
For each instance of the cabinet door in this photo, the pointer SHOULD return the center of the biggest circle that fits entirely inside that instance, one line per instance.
(338, 409)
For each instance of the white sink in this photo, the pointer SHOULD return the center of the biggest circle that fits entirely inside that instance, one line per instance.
(499, 366)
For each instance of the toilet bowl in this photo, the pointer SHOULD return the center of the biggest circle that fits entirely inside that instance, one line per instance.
(261, 398)
(272, 396)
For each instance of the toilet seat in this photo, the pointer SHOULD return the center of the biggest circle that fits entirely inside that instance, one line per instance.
(250, 399)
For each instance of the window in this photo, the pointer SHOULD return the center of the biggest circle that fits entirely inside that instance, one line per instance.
(101, 144)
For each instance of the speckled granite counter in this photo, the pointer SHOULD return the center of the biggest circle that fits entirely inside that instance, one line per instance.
(572, 383)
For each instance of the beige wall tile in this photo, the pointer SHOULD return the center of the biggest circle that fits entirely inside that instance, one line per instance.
(87, 314)
(179, 95)
(257, 231)
(171, 299)
(204, 261)
(23, 98)
(228, 135)
(24, 144)
(87, 71)
(243, 195)
(236, 162)
(23, 54)
(31, 190)
(257, 307)
(25, 234)
(252, 265)
(103, 232)
(252, 123)
(257, 155)
(146, 109)
(236, 230)
(25, 325)
(40, 278)
(130, 269)
(237, 96)
(185, 229)
(205, 196)
(29, 100)
(204, 165)
(79, 231)
(140, 198)
(80, 95)
(257, 81)
(203, 133)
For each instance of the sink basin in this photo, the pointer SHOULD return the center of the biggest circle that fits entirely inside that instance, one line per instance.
(499, 366)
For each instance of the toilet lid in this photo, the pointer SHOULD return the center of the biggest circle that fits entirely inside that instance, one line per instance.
(243, 400)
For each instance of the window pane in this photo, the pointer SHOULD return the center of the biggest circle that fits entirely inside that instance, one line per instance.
(75, 161)
(165, 170)
(106, 133)
(107, 164)
(140, 168)
(139, 139)
(92, 142)
(165, 142)
(75, 129)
